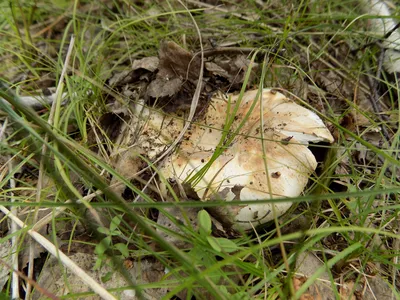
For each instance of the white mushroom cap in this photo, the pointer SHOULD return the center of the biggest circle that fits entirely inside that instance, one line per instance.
(153, 130)
(268, 158)
(283, 115)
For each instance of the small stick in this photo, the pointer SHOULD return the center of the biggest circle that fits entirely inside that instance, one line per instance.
(14, 239)
(64, 259)
(34, 283)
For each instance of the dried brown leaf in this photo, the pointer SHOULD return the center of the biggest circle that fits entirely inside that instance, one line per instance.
(147, 63)
(232, 69)
(163, 87)
(181, 216)
(176, 66)
(177, 62)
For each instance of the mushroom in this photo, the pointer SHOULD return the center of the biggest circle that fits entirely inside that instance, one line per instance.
(262, 155)
(384, 26)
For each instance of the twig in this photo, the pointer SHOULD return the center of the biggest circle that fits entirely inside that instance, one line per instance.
(14, 239)
(64, 259)
(34, 283)
(14, 228)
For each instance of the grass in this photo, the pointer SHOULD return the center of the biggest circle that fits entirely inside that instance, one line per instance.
(349, 210)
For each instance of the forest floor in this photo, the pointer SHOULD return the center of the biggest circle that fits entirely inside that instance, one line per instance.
(105, 94)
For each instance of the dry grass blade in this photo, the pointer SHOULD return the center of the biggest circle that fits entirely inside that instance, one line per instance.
(56, 103)
(32, 282)
(64, 259)
(14, 240)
